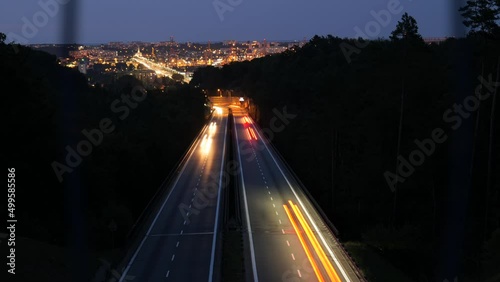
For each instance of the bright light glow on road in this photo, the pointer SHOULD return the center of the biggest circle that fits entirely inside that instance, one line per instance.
(246, 120)
(206, 144)
(158, 68)
(332, 274)
(332, 254)
(212, 128)
(251, 134)
(218, 110)
(304, 245)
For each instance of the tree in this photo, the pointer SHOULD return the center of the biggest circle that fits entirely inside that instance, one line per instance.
(481, 16)
(2, 38)
(177, 77)
(406, 29)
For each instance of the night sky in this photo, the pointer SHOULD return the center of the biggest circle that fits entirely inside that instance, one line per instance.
(102, 21)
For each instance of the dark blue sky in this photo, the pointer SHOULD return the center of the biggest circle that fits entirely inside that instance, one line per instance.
(101, 21)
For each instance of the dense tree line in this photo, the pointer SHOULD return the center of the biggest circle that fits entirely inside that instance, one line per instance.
(361, 116)
(47, 108)
(354, 119)
(481, 17)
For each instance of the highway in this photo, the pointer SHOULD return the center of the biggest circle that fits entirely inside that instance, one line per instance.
(158, 68)
(182, 241)
(287, 238)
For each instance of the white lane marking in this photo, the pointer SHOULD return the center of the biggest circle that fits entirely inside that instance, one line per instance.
(282, 230)
(305, 210)
(214, 241)
(279, 220)
(288, 243)
(168, 273)
(274, 206)
(177, 245)
(252, 251)
(182, 231)
(293, 257)
(185, 234)
(276, 213)
(162, 206)
(298, 271)
(173, 257)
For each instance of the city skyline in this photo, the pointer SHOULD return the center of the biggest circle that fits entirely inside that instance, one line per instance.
(40, 22)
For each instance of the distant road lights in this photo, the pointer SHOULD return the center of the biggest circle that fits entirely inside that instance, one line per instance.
(218, 110)
(242, 100)
(206, 144)
(251, 134)
(212, 128)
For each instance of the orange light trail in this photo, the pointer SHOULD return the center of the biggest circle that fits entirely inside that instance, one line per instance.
(304, 245)
(247, 120)
(253, 133)
(332, 274)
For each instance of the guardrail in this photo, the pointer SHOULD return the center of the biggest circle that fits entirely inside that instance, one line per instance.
(152, 206)
(322, 214)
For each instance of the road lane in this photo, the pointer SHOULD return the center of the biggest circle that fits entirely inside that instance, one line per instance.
(286, 239)
(183, 235)
(268, 187)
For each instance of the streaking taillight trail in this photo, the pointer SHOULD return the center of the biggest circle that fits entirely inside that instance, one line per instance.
(325, 262)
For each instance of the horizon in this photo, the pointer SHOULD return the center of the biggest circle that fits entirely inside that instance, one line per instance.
(236, 140)
(90, 22)
(222, 41)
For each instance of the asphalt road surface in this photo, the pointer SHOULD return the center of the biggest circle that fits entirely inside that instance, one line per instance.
(288, 240)
(181, 242)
